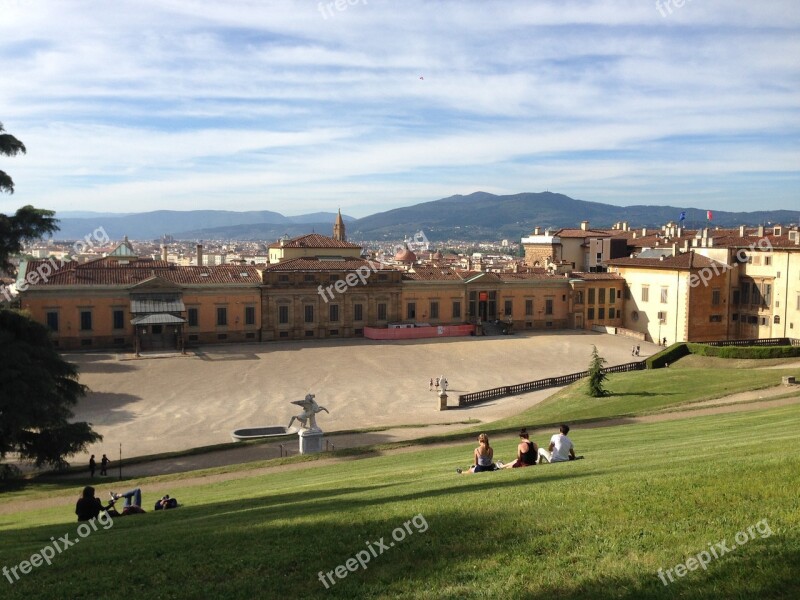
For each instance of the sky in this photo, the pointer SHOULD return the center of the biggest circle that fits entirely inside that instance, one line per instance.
(368, 105)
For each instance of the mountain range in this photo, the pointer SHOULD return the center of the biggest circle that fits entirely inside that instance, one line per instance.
(477, 216)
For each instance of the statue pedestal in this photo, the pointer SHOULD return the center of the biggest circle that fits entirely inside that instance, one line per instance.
(442, 400)
(310, 441)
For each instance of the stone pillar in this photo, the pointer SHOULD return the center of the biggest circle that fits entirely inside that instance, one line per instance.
(310, 441)
(442, 400)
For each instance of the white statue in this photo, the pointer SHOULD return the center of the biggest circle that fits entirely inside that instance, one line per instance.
(310, 409)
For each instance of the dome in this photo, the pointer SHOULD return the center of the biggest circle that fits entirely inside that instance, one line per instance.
(405, 256)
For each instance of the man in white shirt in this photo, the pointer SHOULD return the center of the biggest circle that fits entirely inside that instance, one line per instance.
(560, 449)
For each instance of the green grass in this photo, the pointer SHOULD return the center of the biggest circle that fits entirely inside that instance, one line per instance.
(642, 392)
(647, 497)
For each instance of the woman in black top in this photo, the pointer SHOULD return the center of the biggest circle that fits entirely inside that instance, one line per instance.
(88, 507)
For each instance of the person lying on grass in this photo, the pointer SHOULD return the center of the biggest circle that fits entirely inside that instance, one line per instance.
(166, 503)
(133, 503)
(561, 448)
(482, 457)
(527, 453)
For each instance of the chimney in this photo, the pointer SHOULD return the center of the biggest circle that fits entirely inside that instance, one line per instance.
(674, 248)
(537, 231)
(634, 235)
(644, 231)
(710, 242)
(778, 230)
(679, 232)
(761, 231)
(741, 231)
(625, 226)
(584, 225)
(199, 255)
(685, 245)
(164, 252)
(705, 232)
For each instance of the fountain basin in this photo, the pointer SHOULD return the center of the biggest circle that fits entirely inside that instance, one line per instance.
(258, 433)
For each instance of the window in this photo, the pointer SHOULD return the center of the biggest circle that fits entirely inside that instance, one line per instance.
(381, 311)
(411, 310)
(52, 318)
(333, 312)
(456, 309)
(249, 315)
(283, 278)
(612, 295)
(119, 319)
(528, 308)
(777, 320)
(308, 314)
(591, 295)
(601, 313)
(627, 292)
(798, 302)
(86, 320)
(735, 317)
(645, 293)
(767, 261)
(158, 329)
(715, 296)
(745, 292)
(358, 312)
(283, 334)
(612, 314)
(715, 319)
(193, 318)
(508, 307)
(434, 309)
(767, 294)
(664, 295)
(662, 316)
(548, 306)
(222, 316)
(736, 298)
(222, 336)
(310, 333)
(755, 297)
(601, 296)
(578, 297)
(590, 313)
(283, 315)
(308, 277)
(333, 332)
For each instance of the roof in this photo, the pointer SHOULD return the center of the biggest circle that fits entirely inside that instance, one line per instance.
(109, 272)
(159, 319)
(405, 255)
(312, 263)
(156, 306)
(313, 240)
(124, 249)
(582, 233)
(431, 273)
(596, 276)
(685, 261)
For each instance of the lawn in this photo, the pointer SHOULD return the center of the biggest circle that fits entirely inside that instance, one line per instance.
(647, 497)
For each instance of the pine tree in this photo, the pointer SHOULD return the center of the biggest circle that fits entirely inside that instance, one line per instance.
(596, 375)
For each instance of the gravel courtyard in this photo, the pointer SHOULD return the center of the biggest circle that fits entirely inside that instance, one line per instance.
(152, 405)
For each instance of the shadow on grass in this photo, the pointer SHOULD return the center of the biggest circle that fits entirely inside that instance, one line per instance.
(265, 549)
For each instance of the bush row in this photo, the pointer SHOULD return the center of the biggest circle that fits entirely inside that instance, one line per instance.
(745, 351)
(668, 355)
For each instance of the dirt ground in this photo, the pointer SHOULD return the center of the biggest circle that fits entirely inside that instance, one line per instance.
(153, 405)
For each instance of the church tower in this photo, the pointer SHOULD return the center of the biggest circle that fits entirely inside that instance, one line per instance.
(338, 228)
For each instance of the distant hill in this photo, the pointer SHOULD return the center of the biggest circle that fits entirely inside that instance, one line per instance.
(487, 216)
(477, 216)
(188, 224)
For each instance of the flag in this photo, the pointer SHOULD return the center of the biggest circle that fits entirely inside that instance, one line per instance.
(683, 216)
(709, 216)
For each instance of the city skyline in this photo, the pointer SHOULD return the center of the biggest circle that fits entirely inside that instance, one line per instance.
(370, 105)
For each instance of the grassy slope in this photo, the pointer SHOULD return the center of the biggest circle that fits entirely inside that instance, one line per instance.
(647, 497)
(641, 392)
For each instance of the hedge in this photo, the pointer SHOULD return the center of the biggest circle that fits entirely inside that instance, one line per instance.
(668, 355)
(744, 351)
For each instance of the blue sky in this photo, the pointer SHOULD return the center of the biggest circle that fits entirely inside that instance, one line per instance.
(302, 106)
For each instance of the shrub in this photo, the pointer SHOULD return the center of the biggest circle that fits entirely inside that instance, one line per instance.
(669, 355)
(757, 352)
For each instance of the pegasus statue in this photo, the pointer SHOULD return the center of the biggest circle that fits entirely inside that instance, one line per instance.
(307, 418)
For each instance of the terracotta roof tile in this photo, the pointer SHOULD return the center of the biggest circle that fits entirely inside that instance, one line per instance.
(313, 240)
(687, 260)
(310, 263)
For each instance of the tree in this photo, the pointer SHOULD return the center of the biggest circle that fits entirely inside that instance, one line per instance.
(37, 387)
(596, 375)
(9, 146)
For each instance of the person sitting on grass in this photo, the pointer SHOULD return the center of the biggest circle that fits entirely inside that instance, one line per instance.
(483, 457)
(527, 453)
(88, 506)
(133, 503)
(166, 503)
(560, 449)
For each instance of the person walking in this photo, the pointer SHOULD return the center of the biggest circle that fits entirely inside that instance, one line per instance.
(430, 385)
(92, 466)
(104, 462)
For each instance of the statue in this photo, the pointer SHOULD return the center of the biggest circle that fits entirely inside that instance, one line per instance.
(310, 409)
